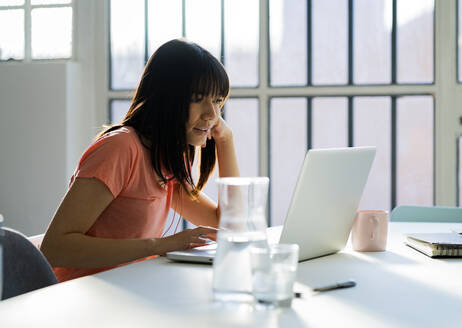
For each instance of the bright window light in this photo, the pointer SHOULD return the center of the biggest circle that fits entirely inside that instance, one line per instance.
(51, 33)
(12, 34)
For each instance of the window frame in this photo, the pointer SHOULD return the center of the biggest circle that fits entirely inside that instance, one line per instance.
(28, 7)
(445, 90)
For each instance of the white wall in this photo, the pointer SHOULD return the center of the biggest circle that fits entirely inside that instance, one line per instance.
(46, 117)
(49, 113)
(33, 100)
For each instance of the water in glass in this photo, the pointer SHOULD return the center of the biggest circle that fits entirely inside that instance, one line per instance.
(242, 204)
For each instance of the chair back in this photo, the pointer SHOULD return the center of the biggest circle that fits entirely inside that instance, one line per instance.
(24, 267)
(411, 213)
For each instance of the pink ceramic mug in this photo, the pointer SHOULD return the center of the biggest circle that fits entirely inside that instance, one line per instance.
(370, 229)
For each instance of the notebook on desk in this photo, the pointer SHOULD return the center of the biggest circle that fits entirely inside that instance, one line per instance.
(323, 206)
(436, 244)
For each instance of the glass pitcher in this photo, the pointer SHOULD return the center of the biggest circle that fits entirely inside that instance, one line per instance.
(242, 205)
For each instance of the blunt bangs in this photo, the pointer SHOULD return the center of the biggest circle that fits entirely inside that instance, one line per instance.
(210, 78)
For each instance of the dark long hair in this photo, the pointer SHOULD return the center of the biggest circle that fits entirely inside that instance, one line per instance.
(160, 110)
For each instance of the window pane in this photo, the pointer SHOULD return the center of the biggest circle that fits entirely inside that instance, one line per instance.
(372, 41)
(329, 122)
(210, 189)
(51, 33)
(288, 42)
(330, 41)
(459, 170)
(127, 43)
(118, 110)
(12, 34)
(164, 22)
(288, 148)
(241, 42)
(415, 150)
(49, 2)
(372, 127)
(459, 36)
(242, 117)
(11, 2)
(203, 24)
(415, 41)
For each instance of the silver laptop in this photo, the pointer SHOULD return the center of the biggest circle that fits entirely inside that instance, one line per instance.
(323, 206)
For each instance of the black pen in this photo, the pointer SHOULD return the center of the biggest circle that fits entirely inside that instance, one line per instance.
(337, 285)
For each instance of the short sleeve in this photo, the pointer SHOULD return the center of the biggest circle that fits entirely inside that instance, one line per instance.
(110, 159)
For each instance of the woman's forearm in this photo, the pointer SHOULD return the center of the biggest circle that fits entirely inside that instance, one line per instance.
(227, 160)
(77, 250)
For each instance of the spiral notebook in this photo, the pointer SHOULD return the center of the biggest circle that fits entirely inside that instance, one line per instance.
(436, 244)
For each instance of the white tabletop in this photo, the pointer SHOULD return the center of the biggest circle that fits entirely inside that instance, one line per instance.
(396, 288)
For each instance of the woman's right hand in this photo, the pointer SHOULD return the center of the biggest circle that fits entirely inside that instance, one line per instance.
(189, 238)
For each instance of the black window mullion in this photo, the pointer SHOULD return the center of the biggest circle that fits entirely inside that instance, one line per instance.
(309, 122)
(268, 106)
(109, 114)
(394, 42)
(350, 71)
(393, 151)
(268, 48)
(225, 109)
(350, 122)
(184, 224)
(457, 49)
(146, 31)
(222, 41)
(109, 48)
(268, 141)
(27, 31)
(458, 141)
(434, 152)
(393, 105)
(309, 58)
(350, 41)
(183, 18)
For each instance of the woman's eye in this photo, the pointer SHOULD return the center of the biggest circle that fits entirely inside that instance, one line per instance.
(219, 101)
(197, 98)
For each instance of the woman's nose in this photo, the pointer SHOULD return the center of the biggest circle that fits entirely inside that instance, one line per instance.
(209, 111)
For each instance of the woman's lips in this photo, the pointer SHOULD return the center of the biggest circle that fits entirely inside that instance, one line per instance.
(202, 132)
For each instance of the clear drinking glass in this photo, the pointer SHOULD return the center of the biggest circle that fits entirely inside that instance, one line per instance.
(242, 203)
(274, 269)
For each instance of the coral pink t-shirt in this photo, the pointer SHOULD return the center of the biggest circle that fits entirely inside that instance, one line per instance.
(140, 206)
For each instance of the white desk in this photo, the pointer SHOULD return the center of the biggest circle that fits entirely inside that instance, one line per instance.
(396, 288)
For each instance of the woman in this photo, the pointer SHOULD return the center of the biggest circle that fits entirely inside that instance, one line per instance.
(126, 181)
